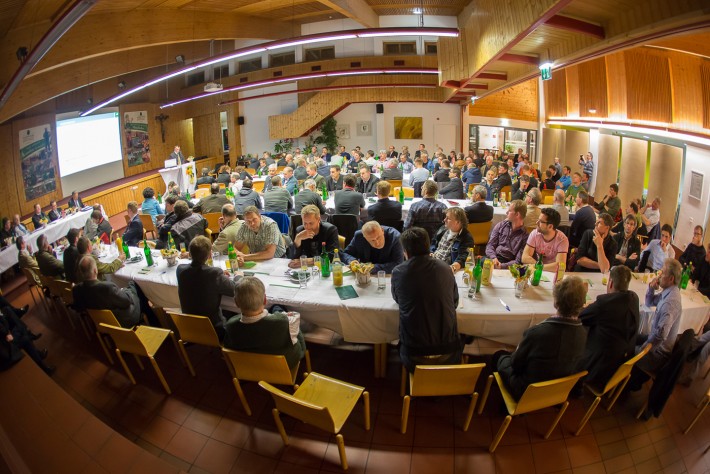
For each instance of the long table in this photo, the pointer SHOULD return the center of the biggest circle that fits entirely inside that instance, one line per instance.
(373, 317)
(53, 230)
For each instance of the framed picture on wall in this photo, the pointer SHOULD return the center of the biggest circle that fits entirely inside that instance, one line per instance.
(343, 131)
(364, 129)
(408, 128)
(696, 185)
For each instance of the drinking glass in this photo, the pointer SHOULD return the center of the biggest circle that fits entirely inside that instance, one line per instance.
(316, 266)
(304, 263)
(303, 279)
(381, 280)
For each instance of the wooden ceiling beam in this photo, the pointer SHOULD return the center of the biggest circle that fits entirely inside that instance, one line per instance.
(357, 10)
(256, 8)
(496, 76)
(519, 58)
(578, 26)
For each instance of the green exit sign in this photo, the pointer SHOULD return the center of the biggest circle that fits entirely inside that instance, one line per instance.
(546, 71)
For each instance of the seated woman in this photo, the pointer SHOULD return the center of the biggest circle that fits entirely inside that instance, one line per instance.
(553, 348)
(255, 330)
(150, 204)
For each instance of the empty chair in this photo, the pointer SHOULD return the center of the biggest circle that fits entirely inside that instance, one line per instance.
(438, 380)
(537, 396)
(255, 367)
(548, 200)
(547, 193)
(195, 330)
(322, 402)
(701, 408)
(142, 341)
(395, 183)
(148, 225)
(613, 387)
(105, 316)
(212, 219)
(480, 232)
(408, 192)
(258, 186)
(296, 220)
(347, 225)
(506, 190)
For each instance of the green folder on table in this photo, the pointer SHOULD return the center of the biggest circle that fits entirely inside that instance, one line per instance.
(249, 265)
(346, 292)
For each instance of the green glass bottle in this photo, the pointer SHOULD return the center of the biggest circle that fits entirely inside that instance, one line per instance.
(684, 278)
(324, 263)
(495, 199)
(325, 194)
(171, 242)
(232, 256)
(295, 191)
(478, 274)
(538, 271)
(148, 256)
(401, 196)
(125, 250)
(258, 172)
(160, 199)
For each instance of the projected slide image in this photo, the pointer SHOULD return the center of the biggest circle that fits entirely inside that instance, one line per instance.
(85, 143)
(39, 175)
(135, 128)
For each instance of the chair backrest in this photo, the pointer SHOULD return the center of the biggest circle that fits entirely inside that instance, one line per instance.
(103, 316)
(31, 277)
(418, 189)
(203, 186)
(548, 200)
(126, 340)
(195, 329)
(281, 219)
(269, 367)
(547, 192)
(430, 380)
(347, 225)
(200, 193)
(47, 282)
(394, 183)
(258, 186)
(506, 190)
(301, 410)
(480, 232)
(147, 221)
(296, 220)
(548, 393)
(625, 369)
(59, 288)
(212, 219)
(67, 296)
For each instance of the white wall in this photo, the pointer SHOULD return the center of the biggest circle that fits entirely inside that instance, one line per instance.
(693, 211)
(255, 131)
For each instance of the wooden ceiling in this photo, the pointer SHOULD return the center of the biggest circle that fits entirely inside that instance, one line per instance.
(501, 42)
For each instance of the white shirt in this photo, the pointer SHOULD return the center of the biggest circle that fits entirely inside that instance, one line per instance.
(294, 321)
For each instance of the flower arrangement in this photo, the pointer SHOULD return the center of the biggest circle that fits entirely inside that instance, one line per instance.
(521, 272)
(190, 174)
(362, 272)
(172, 252)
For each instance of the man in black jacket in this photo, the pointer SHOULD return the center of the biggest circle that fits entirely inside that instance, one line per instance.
(479, 211)
(134, 232)
(386, 211)
(584, 219)
(452, 241)
(454, 189)
(613, 321)
(310, 237)
(71, 255)
(367, 184)
(627, 244)
(205, 178)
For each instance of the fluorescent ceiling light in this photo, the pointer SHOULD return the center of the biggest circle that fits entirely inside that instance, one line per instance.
(311, 40)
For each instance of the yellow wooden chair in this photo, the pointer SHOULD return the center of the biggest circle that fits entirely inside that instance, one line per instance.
(212, 219)
(148, 225)
(537, 396)
(613, 387)
(34, 284)
(103, 316)
(255, 367)
(439, 380)
(506, 190)
(195, 330)
(200, 193)
(322, 402)
(203, 186)
(395, 183)
(547, 193)
(548, 200)
(480, 232)
(258, 186)
(140, 341)
(55, 292)
(68, 298)
(251, 171)
(701, 408)
(408, 192)
(341, 242)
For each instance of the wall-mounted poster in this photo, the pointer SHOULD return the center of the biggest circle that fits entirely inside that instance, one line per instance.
(364, 129)
(135, 127)
(343, 131)
(408, 128)
(696, 185)
(39, 173)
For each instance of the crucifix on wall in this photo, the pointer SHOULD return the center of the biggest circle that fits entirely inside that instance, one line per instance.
(162, 118)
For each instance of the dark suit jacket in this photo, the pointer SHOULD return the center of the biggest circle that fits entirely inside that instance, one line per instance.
(348, 201)
(201, 288)
(333, 185)
(370, 187)
(77, 203)
(391, 173)
(49, 265)
(502, 181)
(36, 219)
(453, 190)
(205, 180)
(634, 246)
(385, 211)
(124, 303)
(584, 219)
(177, 156)
(613, 321)
(134, 232)
(71, 257)
(442, 176)
(479, 212)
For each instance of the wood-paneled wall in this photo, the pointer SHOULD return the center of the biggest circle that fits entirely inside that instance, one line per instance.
(664, 178)
(518, 102)
(592, 89)
(556, 94)
(633, 169)
(648, 86)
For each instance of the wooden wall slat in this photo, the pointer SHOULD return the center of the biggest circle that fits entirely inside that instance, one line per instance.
(556, 94)
(573, 91)
(648, 86)
(553, 144)
(705, 81)
(592, 88)
(576, 143)
(616, 85)
(518, 102)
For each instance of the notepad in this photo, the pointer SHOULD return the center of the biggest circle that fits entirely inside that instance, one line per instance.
(346, 292)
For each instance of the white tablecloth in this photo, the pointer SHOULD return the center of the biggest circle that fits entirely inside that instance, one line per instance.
(373, 317)
(54, 231)
(180, 176)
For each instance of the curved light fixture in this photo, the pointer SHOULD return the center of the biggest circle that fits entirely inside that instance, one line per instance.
(267, 82)
(300, 40)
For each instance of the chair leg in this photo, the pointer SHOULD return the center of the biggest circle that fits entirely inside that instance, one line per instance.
(242, 397)
(486, 392)
(587, 415)
(499, 435)
(186, 358)
(557, 419)
(280, 425)
(471, 408)
(366, 401)
(309, 369)
(175, 343)
(341, 449)
(159, 373)
(138, 361)
(617, 391)
(102, 343)
(702, 408)
(125, 367)
(403, 382)
(642, 409)
(405, 414)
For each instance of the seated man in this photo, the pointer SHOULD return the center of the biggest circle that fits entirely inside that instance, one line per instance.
(312, 171)
(659, 250)
(503, 178)
(229, 226)
(452, 241)
(246, 197)
(18, 228)
(597, 249)
(75, 200)
(454, 188)
(213, 202)
(479, 211)
(425, 290)
(576, 186)
(650, 214)
(55, 212)
(166, 225)
(187, 225)
(348, 200)
(367, 184)
(26, 260)
(392, 169)
(613, 321)
(627, 244)
(310, 237)
(584, 219)
(533, 201)
(565, 180)
(205, 177)
(471, 176)
(334, 182)
(268, 183)
(49, 265)
(385, 210)
(71, 254)
(261, 235)
(84, 247)
(127, 304)
(375, 244)
(695, 252)
(547, 241)
(39, 218)
(558, 204)
(664, 325)
(522, 188)
(201, 287)
(103, 227)
(16, 338)
(552, 349)
(308, 196)
(701, 275)
(290, 182)
(442, 176)
(508, 238)
(255, 330)
(277, 199)
(90, 228)
(134, 232)
(427, 213)
(611, 204)
(419, 174)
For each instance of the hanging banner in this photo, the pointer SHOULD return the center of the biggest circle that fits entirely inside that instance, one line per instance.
(135, 126)
(39, 173)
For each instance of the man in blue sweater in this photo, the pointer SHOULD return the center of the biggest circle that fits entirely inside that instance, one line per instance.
(375, 244)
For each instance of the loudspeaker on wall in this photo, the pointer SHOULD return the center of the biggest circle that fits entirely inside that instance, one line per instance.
(240, 120)
(380, 108)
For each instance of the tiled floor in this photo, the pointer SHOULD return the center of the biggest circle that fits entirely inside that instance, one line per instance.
(201, 427)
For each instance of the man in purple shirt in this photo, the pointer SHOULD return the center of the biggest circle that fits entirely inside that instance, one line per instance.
(508, 237)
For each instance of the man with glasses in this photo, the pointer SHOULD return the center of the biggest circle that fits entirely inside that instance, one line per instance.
(547, 241)
(695, 252)
(597, 249)
(659, 250)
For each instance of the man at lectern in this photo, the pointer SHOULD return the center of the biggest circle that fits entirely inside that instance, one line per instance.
(177, 156)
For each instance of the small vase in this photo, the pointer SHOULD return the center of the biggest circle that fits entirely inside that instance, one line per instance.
(363, 279)
(172, 261)
(520, 287)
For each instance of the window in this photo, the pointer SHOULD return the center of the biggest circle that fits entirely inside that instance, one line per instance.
(430, 48)
(195, 78)
(250, 65)
(220, 72)
(394, 49)
(319, 54)
(282, 59)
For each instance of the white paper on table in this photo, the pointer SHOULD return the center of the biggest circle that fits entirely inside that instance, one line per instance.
(268, 267)
(281, 292)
